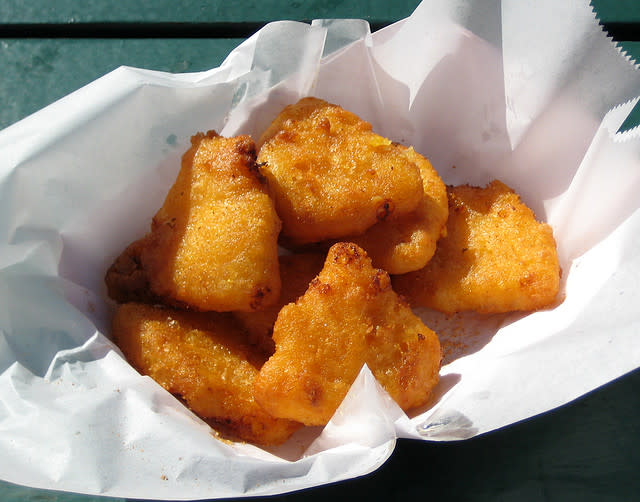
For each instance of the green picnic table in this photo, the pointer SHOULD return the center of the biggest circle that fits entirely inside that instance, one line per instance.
(586, 450)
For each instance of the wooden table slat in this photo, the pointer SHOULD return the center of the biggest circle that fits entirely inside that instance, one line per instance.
(149, 11)
(37, 64)
(158, 11)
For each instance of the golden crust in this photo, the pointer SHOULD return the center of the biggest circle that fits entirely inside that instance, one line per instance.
(204, 359)
(331, 176)
(404, 244)
(349, 316)
(495, 257)
(126, 280)
(213, 246)
(296, 272)
(213, 243)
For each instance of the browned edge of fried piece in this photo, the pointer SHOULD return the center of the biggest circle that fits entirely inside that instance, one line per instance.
(205, 361)
(213, 243)
(295, 111)
(126, 280)
(331, 176)
(349, 316)
(495, 258)
(403, 244)
(296, 272)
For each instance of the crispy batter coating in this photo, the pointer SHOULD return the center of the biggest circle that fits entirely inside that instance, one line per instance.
(331, 176)
(349, 316)
(296, 272)
(204, 359)
(126, 280)
(213, 243)
(495, 257)
(404, 244)
(295, 112)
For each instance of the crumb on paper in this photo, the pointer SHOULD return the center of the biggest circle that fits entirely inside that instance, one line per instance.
(463, 333)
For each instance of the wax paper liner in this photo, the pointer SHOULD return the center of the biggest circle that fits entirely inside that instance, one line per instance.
(529, 92)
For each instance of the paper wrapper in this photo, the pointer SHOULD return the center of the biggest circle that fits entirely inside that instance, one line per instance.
(530, 92)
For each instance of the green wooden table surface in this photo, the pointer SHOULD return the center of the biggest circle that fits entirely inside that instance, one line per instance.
(586, 450)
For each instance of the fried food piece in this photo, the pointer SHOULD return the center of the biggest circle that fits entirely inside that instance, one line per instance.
(331, 176)
(495, 257)
(404, 244)
(204, 359)
(213, 243)
(349, 316)
(126, 280)
(295, 112)
(296, 272)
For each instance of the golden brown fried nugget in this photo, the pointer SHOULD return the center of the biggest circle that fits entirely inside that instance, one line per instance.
(349, 316)
(495, 257)
(407, 243)
(213, 243)
(297, 111)
(331, 176)
(126, 280)
(204, 359)
(296, 272)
